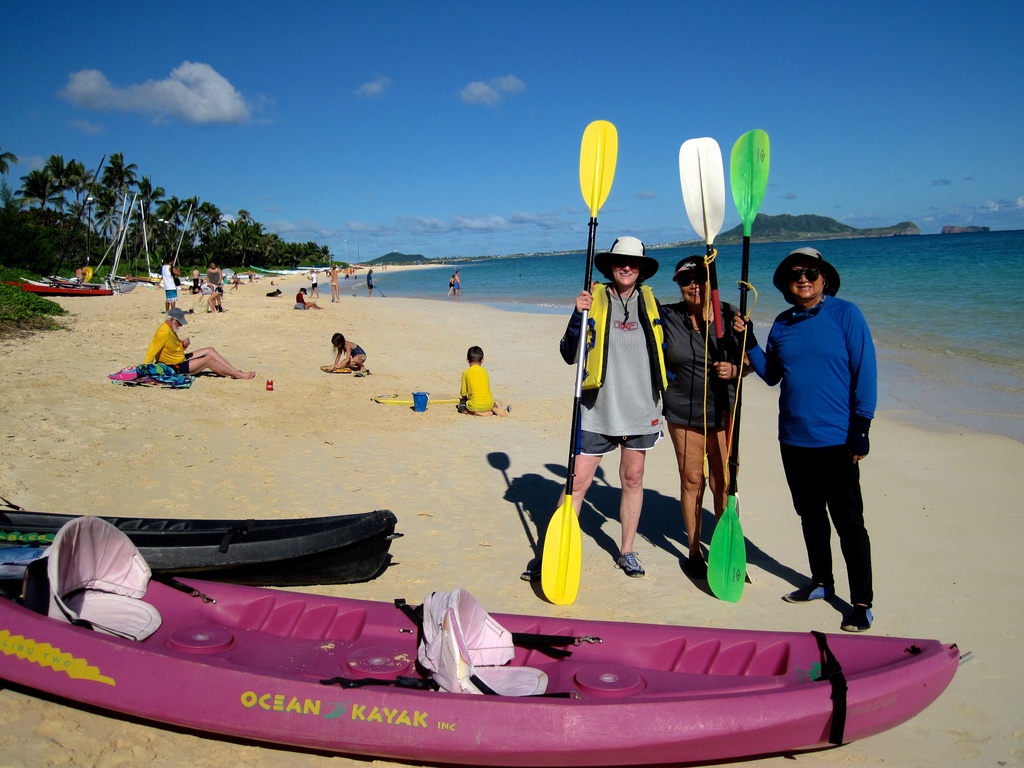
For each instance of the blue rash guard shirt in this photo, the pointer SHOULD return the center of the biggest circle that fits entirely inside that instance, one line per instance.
(825, 359)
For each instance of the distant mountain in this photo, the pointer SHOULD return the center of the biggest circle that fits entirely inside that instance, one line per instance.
(398, 258)
(788, 228)
(785, 227)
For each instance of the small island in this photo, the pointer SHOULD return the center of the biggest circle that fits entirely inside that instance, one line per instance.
(950, 230)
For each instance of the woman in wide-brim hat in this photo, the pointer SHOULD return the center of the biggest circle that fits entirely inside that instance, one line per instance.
(821, 354)
(809, 258)
(624, 378)
(626, 248)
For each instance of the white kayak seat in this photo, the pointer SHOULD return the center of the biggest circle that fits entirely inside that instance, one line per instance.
(466, 650)
(98, 579)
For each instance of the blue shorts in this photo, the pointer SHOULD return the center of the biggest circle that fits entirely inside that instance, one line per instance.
(171, 295)
(357, 350)
(594, 444)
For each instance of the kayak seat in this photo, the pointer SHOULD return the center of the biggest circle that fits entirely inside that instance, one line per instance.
(98, 579)
(466, 650)
(494, 680)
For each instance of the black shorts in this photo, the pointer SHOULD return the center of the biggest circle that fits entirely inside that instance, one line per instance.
(182, 367)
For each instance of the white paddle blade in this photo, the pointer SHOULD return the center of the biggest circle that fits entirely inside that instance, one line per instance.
(703, 183)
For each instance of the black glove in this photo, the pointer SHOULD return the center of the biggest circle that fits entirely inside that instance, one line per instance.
(857, 438)
(751, 339)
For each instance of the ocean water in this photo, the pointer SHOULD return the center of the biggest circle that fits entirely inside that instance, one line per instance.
(946, 311)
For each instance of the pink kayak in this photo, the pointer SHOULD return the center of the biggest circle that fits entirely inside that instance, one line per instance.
(251, 665)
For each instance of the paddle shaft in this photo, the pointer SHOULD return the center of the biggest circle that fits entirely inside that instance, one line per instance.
(734, 449)
(716, 302)
(581, 351)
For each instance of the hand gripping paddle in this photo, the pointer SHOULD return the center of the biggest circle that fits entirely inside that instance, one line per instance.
(562, 556)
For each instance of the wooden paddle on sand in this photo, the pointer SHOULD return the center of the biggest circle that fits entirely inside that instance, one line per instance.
(562, 557)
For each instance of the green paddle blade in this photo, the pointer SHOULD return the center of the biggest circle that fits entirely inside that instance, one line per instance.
(703, 182)
(748, 173)
(598, 153)
(727, 558)
(562, 559)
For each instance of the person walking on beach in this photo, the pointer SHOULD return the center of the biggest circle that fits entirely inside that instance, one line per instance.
(369, 282)
(167, 274)
(216, 280)
(168, 349)
(475, 391)
(335, 290)
(314, 278)
(456, 284)
(822, 353)
(622, 389)
(698, 401)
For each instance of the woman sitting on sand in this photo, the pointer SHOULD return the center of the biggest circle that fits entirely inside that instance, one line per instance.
(348, 354)
(301, 303)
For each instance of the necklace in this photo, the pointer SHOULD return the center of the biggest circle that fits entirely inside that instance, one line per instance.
(625, 309)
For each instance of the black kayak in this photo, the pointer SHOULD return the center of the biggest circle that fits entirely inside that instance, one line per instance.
(339, 549)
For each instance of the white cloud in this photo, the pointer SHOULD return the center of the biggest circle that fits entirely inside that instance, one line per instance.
(86, 127)
(375, 87)
(492, 92)
(194, 92)
(1020, 201)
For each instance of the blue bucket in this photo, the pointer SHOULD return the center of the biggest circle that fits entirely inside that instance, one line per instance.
(419, 401)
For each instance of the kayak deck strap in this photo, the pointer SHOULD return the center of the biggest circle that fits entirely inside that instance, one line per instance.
(832, 671)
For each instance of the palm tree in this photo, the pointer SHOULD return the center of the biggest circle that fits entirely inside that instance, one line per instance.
(118, 176)
(38, 187)
(169, 213)
(148, 197)
(77, 182)
(105, 202)
(59, 172)
(244, 238)
(209, 221)
(5, 158)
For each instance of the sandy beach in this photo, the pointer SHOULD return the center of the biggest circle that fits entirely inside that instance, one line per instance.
(942, 505)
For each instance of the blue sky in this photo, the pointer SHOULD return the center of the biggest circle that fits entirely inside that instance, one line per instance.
(453, 128)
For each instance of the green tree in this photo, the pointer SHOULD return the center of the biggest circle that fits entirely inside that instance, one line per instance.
(23, 243)
(38, 187)
(60, 175)
(5, 158)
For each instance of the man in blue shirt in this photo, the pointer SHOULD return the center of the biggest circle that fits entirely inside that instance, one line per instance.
(821, 353)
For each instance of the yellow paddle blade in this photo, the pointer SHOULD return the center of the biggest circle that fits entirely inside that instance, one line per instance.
(563, 556)
(598, 153)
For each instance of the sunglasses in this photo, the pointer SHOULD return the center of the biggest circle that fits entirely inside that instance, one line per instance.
(810, 273)
(691, 276)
